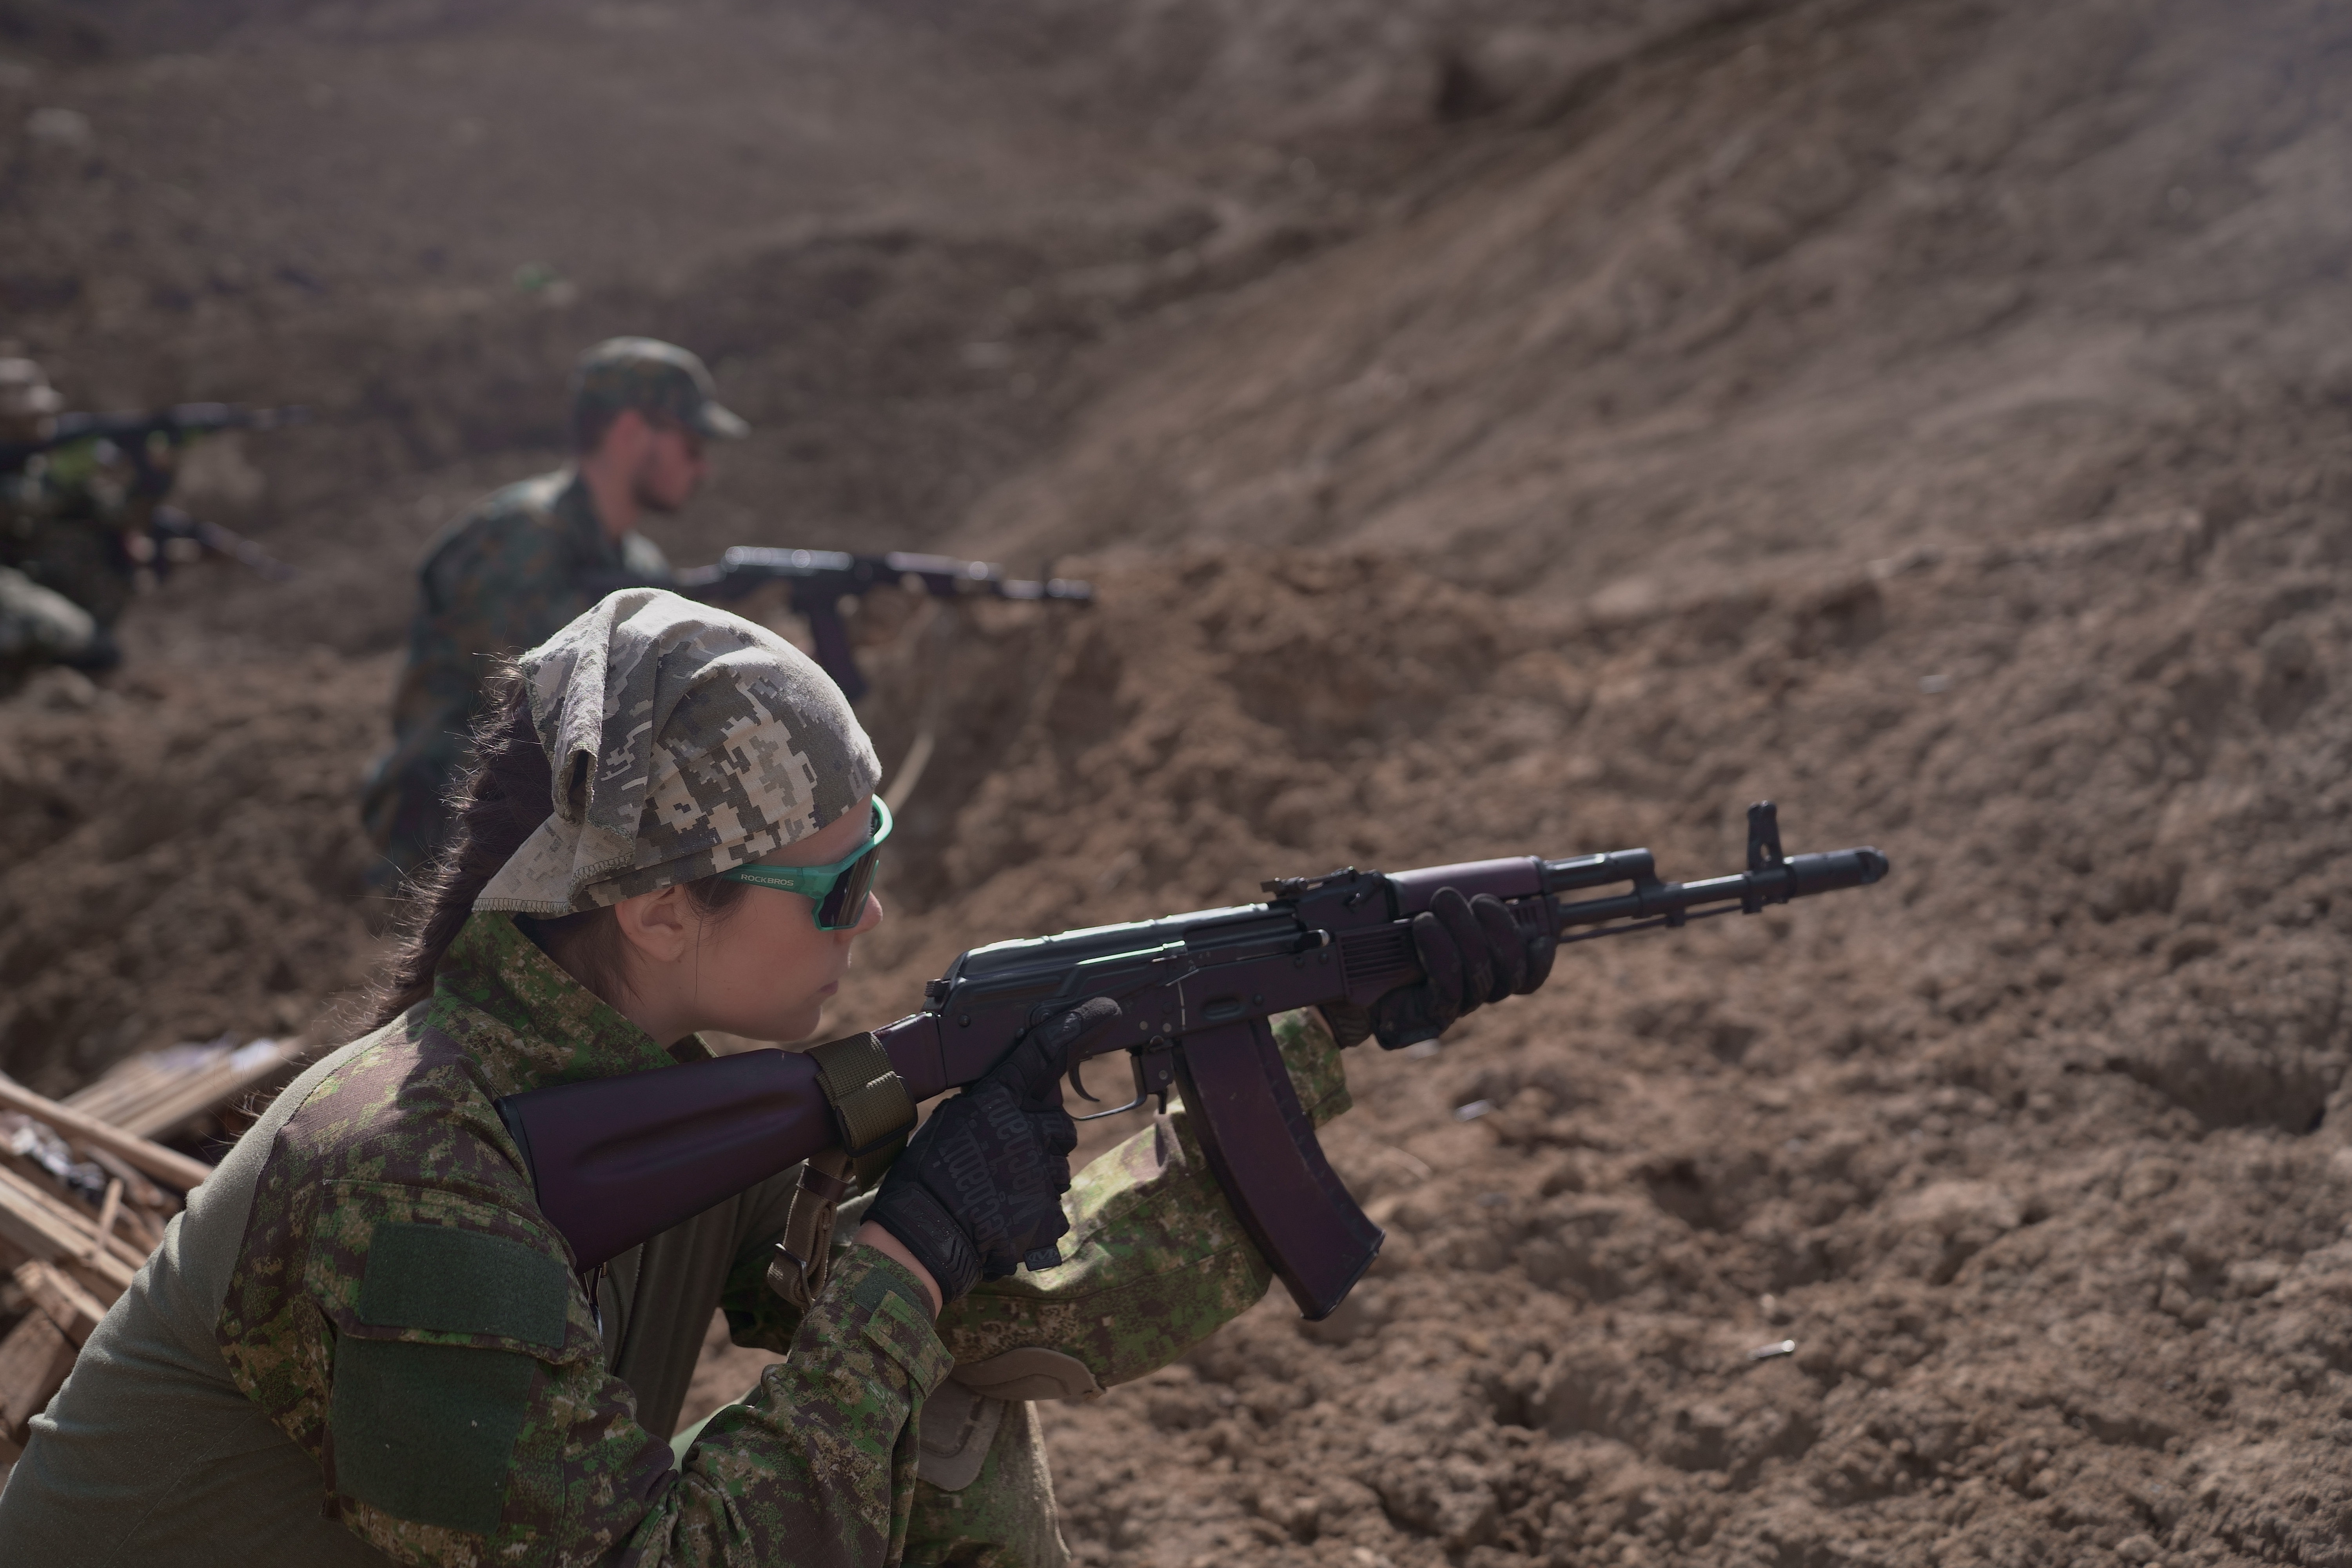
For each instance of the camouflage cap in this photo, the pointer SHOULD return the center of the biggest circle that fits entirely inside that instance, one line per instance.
(657, 379)
(684, 742)
(25, 392)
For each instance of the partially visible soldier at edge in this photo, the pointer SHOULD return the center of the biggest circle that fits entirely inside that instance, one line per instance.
(526, 561)
(59, 594)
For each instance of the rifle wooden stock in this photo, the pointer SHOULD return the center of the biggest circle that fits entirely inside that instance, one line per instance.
(617, 1159)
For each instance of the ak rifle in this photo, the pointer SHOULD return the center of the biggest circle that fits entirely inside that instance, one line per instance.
(615, 1160)
(819, 580)
(136, 433)
(148, 443)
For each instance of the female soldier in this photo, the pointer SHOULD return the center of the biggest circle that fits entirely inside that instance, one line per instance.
(362, 1339)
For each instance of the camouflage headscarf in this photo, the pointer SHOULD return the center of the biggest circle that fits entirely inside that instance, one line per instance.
(684, 742)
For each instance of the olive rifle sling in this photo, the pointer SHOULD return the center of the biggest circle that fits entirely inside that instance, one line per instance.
(874, 1112)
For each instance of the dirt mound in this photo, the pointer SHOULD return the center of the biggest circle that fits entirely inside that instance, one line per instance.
(2028, 1151)
(1490, 433)
(181, 857)
(1820, 279)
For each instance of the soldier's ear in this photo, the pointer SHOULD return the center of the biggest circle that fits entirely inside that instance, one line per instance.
(655, 926)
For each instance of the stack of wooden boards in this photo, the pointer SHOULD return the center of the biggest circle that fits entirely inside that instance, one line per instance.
(86, 1191)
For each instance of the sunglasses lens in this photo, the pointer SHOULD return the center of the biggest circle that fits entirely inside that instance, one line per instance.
(843, 904)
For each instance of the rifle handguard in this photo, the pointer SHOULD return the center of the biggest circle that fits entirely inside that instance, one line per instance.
(871, 1108)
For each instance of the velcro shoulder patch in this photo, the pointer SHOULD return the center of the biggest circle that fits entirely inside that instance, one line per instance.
(439, 1279)
(427, 1432)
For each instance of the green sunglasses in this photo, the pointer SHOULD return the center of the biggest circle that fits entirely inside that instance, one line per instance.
(839, 889)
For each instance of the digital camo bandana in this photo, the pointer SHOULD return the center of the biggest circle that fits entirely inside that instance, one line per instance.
(684, 742)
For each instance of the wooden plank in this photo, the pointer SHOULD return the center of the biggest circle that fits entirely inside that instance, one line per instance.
(34, 1360)
(120, 1092)
(104, 1280)
(127, 1096)
(135, 1222)
(145, 1097)
(51, 1233)
(122, 1095)
(142, 1230)
(107, 1214)
(167, 1165)
(31, 1228)
(70, 1307)
(144, 1196)
(218, 1093)
(72, 1215)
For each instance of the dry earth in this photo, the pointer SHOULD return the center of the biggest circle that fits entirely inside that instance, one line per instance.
(1491, 432)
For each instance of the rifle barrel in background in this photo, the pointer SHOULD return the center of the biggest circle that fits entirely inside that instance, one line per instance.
(819, 579)
(178, 420)
(131, 431)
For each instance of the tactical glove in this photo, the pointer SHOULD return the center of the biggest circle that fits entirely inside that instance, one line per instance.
(978, 1191)
(1472, 953)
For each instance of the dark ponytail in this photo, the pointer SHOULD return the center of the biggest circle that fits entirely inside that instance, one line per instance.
(498, 806)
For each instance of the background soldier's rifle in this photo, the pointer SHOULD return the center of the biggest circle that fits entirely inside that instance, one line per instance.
(617, 1159)
(147, 445)
(819, 580)
(144, 438)
(179, 536)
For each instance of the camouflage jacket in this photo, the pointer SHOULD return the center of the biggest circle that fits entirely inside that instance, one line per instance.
(505, 576)
(365, 1305)
(402, 1312)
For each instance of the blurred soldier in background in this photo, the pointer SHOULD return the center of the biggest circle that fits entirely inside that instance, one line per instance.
(61, 585)
(85, 515)
(525, 562)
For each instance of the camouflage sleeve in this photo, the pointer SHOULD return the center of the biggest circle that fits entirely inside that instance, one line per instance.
(816, 1466)
(431, 1348)
(1156, 1259)
(486, 1450)
(757, 1316)
(502, 585)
